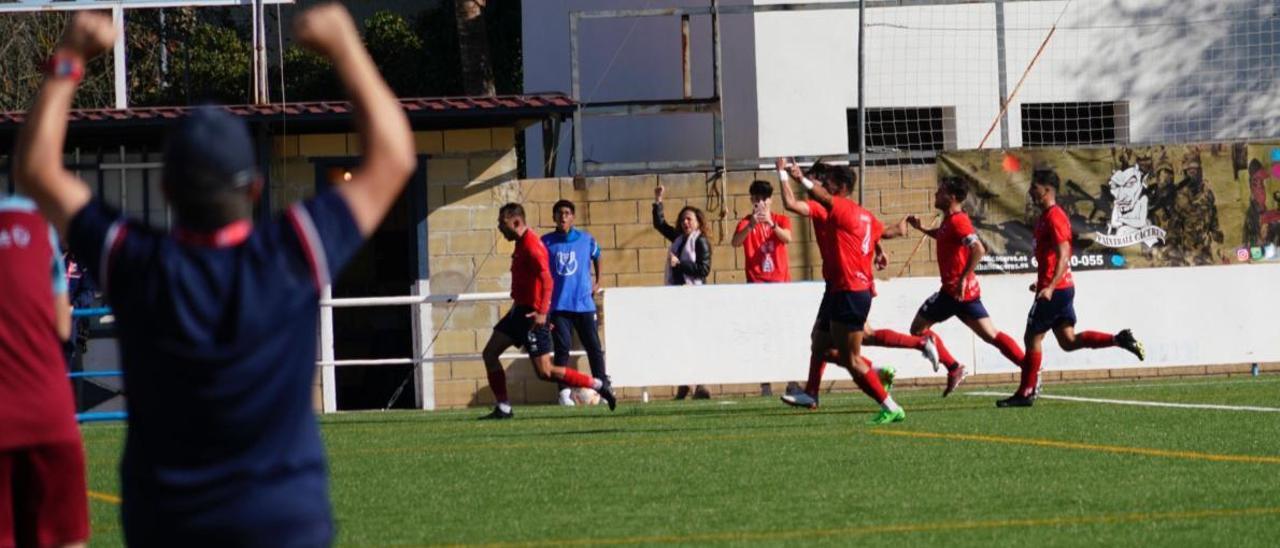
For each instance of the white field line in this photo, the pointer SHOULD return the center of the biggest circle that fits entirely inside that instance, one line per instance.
(1120, 384)
(1144, 403)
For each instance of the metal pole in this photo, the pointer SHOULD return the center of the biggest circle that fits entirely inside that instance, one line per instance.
(253, 55)
(862, 104)
(1004, 76)
(716, 62)
(261, 95)
(577, 95)
(686, 70)
(423, 328)
(118, 58)
(328, 381)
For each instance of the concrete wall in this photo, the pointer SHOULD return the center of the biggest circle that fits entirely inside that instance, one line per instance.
(760, 332)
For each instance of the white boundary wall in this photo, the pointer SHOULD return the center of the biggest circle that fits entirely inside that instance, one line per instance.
(658, 336)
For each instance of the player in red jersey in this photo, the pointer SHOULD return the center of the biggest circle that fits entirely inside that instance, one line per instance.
(525, 325)
(1055, 293)
(823, 351)
(848, 237)
(959, 251)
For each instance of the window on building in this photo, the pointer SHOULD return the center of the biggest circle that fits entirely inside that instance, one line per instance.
(125, 178)
(1065, 124)
(895, 134)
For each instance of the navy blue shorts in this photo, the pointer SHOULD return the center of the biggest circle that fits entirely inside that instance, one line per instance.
(1057, 311)
(847, 307)
(940, 307)
(537, 342)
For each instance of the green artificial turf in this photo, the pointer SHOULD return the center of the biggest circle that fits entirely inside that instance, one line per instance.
(957, 472)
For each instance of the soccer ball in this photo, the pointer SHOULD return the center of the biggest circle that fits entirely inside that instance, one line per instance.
(585, 396)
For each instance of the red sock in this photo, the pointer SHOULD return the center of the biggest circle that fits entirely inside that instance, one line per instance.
(1030, 373)
(894, 339)
(1009, 348)
(816, 367)
(574, 378)
(498, 384)
(1095, 339)
(870, 384)
(944, 355)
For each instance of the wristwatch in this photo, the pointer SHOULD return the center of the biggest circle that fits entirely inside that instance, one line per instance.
(63, 65)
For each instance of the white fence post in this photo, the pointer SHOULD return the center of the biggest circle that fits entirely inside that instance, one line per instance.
(328, 381)
(424, 373)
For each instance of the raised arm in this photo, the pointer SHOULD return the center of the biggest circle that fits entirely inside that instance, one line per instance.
(789, 201)
(37, 162)
(387, 141)
(816, 191)
(659, 219)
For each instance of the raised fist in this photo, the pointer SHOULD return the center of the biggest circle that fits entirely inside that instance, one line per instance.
(88, 34)
(325, 29)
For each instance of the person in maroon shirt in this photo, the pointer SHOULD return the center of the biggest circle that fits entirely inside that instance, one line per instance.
(525, 325)
(43, 500)
(1055, 292)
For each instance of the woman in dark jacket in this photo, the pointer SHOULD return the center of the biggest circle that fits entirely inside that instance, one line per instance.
(688, 258)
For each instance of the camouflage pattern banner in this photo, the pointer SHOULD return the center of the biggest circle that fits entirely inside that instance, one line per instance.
(1182, 205)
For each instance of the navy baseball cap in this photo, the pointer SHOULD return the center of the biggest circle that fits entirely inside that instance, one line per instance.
(208, 151)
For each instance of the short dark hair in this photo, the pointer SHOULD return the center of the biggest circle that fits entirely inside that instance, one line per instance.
(1045, 177)
(955, 186)
(761, 188)
(842, 176)
(512, 209)
(564, 203)
(817, 171)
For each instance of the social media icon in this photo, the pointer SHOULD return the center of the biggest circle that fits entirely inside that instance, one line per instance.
(1269, 252)
(1256, 253)
(1242, 255)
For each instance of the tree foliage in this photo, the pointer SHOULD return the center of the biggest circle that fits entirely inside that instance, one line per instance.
(182, 56)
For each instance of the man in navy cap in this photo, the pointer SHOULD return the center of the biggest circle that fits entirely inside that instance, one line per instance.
(217, 320)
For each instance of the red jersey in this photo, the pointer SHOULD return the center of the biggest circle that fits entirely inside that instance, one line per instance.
(851, 239)
(531, 283)
(819, 215)
(36, 406)
(1052, 229)
(954, 238)
(765, 253)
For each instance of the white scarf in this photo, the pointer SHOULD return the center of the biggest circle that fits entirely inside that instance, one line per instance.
(685, 249)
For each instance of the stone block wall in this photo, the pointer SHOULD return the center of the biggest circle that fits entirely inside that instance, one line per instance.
(469, 255)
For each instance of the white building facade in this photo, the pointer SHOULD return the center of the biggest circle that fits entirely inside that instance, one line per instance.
(1110, 71)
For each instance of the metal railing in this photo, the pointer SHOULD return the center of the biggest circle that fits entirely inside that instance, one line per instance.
(96, 416)
(421, 300)
(422, 331)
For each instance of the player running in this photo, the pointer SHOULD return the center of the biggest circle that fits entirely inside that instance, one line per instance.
(959, 251)
(847, 236)
(525, 325)
(1055, 292)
